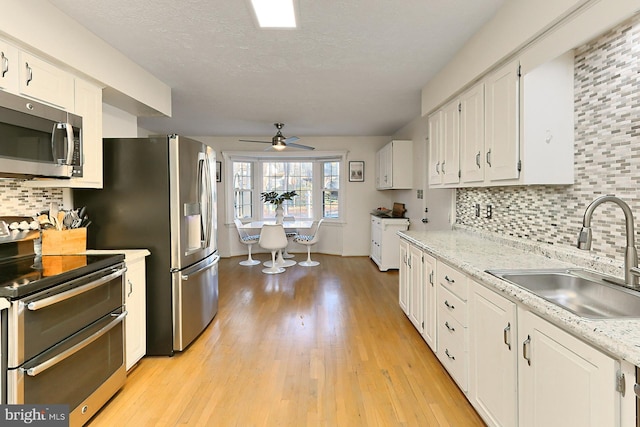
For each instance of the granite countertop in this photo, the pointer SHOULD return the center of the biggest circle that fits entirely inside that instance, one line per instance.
(474, 252)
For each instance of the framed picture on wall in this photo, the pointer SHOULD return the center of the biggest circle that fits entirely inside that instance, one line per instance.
(218, 171)
(356, 171)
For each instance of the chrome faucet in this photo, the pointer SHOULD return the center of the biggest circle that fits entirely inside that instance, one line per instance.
(631, 270)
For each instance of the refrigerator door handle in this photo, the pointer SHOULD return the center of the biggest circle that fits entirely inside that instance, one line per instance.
(185, 274)
(204, 193)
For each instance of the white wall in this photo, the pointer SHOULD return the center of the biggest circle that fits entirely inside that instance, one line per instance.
(350, 238)
(513, 28)
(117, 123)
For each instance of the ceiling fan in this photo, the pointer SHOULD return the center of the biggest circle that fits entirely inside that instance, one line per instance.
(280, 142)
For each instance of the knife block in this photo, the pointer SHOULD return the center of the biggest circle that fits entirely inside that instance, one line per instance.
(64, 242)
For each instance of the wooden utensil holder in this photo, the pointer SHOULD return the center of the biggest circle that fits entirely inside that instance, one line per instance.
(64, 242)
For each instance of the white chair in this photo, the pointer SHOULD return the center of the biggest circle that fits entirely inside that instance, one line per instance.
(273, 238)
(248, 240)
(308, 240)
(291, 234)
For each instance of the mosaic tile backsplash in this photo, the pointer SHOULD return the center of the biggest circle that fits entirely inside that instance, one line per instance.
(18, 200)
(607, 157)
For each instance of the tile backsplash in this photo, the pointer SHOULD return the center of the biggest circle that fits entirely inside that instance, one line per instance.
(19, 200)
(607, 157)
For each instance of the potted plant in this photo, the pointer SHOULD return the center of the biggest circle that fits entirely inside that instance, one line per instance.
(277, 199)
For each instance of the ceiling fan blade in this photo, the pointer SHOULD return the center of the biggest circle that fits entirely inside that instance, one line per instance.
(304, 147)
(291, 139)
(251, 140)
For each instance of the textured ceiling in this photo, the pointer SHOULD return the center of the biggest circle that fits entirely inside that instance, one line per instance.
(351, 68)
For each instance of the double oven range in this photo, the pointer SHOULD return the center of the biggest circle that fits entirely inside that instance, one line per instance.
(62, 328)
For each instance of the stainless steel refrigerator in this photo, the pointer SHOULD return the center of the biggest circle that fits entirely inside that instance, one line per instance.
(160, 193)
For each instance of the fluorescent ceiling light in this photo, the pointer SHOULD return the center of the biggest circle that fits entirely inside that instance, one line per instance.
(274, 13)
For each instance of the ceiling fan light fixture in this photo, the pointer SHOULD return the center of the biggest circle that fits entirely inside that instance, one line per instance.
(274, 13)
(279, 144)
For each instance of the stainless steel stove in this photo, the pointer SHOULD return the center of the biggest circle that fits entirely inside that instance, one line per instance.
(62, 327)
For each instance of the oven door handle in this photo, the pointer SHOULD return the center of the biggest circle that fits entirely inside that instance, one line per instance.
(54, 299)
(32, 372)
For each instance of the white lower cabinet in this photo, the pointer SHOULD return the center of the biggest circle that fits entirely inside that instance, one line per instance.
(515, 368)
(135, 303)
(452, 320)
(493, 357)
(404, 276)
(429, 301)
(564, 382)
(384, 241)
(416, 288)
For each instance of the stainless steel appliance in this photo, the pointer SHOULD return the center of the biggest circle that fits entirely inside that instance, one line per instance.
(38, 140)
(62, 327)
(159, 193)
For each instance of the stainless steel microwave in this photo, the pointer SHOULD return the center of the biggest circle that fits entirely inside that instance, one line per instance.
(37, 140)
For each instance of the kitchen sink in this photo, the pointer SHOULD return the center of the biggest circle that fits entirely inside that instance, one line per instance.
(585, 293)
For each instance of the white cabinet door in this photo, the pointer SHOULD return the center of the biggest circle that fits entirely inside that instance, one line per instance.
(493, 357)
(416, 288)
(8, 67)
(88, 104)
(450, 166)
(435, 148)
(472, 158)
(404, 276)
(429, 301)
(135, 323)
(502, 131)
(44, 82)
(563, 381)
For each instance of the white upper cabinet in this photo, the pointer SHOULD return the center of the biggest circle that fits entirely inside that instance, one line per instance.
(514, 128)
(450, 166)
(444, 143)
(435, 148)
(394, 166)
(502, 141)
(8, 67)
(44, 82)
(472, 159)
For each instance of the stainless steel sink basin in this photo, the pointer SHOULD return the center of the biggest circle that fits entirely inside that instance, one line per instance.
(582, 292)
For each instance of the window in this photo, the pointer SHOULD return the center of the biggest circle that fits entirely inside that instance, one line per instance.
(289, 176)
(242, 190)
(315, 180)
(330, 187)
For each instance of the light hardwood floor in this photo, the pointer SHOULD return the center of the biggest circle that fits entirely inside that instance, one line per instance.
(315, 346)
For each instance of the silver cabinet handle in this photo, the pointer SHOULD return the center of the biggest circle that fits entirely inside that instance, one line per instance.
(431, 278)
(130, 288)
(489, 157)
(29, 73)
(449, 279)
(525, 350)
(5, 64)
(449, 327)
(448, 355)
(54, 299)
(478, 160)
(506, 336)
(438, 168)
(443, 167)
(32, 372)
(449, 306)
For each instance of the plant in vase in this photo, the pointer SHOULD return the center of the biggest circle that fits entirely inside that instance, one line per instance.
(277, 199)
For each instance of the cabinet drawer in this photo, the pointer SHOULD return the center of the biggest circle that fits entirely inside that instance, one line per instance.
(451, 304)
(452, 351)
(453, 280)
